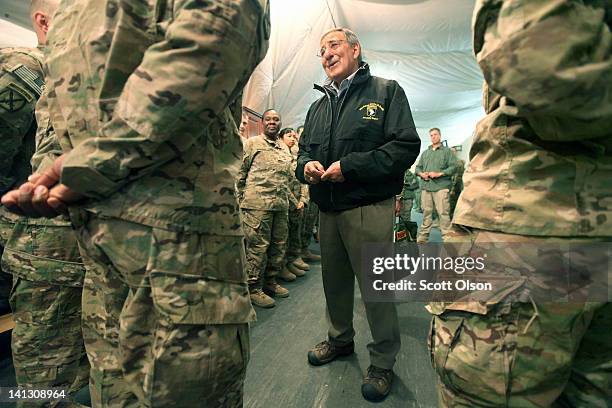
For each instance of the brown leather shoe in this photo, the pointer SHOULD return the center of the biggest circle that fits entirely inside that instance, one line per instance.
(377, 384)
(326, 352)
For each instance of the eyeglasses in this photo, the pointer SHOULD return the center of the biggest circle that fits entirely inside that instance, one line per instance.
(333, 45)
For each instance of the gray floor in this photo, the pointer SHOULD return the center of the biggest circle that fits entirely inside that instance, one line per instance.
(279, 375)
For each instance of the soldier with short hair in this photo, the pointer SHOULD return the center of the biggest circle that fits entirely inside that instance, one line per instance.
(539, 175)
(264, 196)
(138, 97)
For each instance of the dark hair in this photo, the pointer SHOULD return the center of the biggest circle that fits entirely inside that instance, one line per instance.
(285, 131)
(268, 110)
(432, 129)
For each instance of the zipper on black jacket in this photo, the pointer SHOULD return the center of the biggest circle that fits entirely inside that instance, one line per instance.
(330, 142)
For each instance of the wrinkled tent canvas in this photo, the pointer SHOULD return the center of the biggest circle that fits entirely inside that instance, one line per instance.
(423, 44)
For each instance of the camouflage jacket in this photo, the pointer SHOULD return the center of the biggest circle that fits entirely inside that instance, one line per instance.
(541, 161)
(21, 83)
(411, 184)
(138, 97)
(298, 190)
(40, 249)
(263, 181)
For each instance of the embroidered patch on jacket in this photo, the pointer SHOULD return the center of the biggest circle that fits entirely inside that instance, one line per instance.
(13, 98)
(30, 78)
(372, 111)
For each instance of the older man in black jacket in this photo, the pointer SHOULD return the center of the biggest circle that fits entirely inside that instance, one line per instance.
(358, 141)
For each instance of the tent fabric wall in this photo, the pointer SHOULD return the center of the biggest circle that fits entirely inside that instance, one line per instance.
(423, 44)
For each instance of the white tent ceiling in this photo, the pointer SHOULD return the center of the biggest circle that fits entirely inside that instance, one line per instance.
(423, 44)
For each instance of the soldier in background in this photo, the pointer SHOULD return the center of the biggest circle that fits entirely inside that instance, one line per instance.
(243, 128)
(539, 174)
(456, 183)
(407, 195)
(404, 204)
(310, 219)
(417, 196)
(21, 84)
(152, 167)
(263, 195)
(293, 261)
(43, 257)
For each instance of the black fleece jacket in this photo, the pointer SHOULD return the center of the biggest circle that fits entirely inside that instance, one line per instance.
(370, 130)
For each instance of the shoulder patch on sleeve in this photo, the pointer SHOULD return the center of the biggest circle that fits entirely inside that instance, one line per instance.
(13, 98)
(29, 77)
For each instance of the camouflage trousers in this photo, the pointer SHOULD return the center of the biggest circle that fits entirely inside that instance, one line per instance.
(311, 218)
(453, 198)
(266, 235)
(522, 354)
(165, 315)
(434, 201)
(406, 211)
(6, 280)
(417, 201)
(294, 239)
(47, 341)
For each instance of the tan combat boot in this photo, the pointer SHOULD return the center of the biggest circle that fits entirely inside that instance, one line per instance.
(275, 290)
(310, 257)
(286, 275)
(299, 262)
(260, 299)
(295, 270)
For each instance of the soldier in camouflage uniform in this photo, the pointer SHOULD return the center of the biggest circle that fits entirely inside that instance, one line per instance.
(293, 261)
(21, 81)
(404, 204)
(263, 195)
(42, 255)
(407, 195)
(417, 197)
(309, 218)
(151, 158)
(540, 170)
(456, 183)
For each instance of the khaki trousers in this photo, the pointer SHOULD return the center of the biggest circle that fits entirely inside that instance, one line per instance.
(439, 201)
(342, 236)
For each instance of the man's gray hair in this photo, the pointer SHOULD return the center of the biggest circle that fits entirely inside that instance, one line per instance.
(46, 6)
(351, 38)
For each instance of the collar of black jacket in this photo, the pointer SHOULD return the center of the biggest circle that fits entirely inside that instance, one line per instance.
(362, 75)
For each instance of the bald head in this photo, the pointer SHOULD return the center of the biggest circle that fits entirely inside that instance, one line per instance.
(41, 12)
